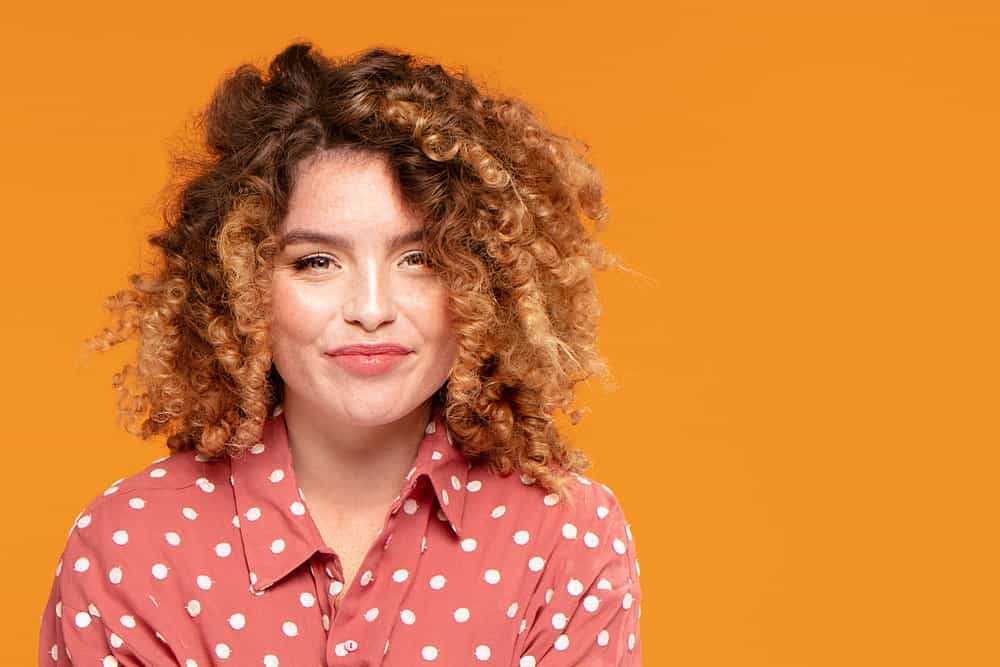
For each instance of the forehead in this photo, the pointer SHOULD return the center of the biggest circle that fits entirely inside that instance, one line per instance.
(350, 192)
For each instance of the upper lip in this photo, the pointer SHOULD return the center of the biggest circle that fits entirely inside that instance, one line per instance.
(375, 348)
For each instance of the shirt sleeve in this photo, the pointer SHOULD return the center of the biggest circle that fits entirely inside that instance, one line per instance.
(93, 616)
(587, 612)
(76, 637)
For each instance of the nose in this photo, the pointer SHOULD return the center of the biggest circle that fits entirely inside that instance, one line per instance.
(370, 300)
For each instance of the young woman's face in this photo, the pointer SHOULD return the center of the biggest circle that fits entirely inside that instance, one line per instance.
(353, 272)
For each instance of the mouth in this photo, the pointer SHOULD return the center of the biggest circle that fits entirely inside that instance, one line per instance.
(367, 365)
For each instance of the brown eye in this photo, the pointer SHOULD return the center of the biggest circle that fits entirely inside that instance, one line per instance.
(419, 256)
(310, 262)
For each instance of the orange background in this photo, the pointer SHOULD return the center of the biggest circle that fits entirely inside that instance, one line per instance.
(805, 435)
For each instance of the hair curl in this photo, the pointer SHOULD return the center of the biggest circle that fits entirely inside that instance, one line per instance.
(500, 195)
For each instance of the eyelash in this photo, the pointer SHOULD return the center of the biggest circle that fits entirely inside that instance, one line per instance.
(301, 264)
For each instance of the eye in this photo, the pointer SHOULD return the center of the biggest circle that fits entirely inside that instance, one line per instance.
(311, 261)
(419, 256)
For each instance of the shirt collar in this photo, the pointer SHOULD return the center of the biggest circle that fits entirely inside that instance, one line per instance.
(277, 530)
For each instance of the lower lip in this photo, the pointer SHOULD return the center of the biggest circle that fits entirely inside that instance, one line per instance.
(368, 364)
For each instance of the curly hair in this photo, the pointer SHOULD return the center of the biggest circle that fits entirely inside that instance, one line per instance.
(500, 196)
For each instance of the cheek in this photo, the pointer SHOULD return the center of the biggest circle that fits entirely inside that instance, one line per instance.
(294, 315)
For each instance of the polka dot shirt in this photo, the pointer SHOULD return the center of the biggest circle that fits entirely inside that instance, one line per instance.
(195, 563)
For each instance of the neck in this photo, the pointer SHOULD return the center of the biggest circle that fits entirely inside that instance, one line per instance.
(349, 467)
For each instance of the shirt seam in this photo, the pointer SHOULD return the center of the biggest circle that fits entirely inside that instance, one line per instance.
(104, 626)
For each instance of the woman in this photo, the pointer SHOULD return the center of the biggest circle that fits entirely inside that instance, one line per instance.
(375, 292)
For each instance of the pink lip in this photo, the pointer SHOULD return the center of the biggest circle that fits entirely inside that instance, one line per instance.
(369, 360)
(378, 348)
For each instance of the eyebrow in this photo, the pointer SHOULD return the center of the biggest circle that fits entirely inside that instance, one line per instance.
(336, 240)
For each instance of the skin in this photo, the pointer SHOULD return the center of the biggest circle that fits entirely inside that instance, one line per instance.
(354, 438)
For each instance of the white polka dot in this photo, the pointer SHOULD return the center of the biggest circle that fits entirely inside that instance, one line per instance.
(527, 479)
(436, 455)
(536, 563)
(602, 512)
(631, 641)
(160, 571)
(526, 661)
(437, 582)
(407, 617)
(628, 531)
(590, 603)
(326, 622)
(461, 614)
(136, 503)
(444, 496)
(127, 620)
(561, 643)
(429, 653)
(367, 577)
(115, 640)
(482, 652)
(83, 522)
(492, 576)
(204, 582)
(115, 575)
(455, 483)
(591, 540)
(253, 514)
(271, 660)
(223, 651)
(258, 448)
(205, 485)
(371, 614)
(193, 608)
(410, 506)
(276, 475)
(289, 628)
(548, 595)
(222, 549)
(82, 619)
(559, 620)
(512, 610)
(603, 585)
(569, 531)
(307, 599)
(551, 499)
(82, 564)
(297, 508)
(627, 601)
(469, 544)
(618, 546)
(521, 537)
(237, 621)
(189, 513)
(336, 587)
(574, 587)
(603, 638)
(474, 486)
(173, 539)
(157, 472)
(498, 511)
(277, 546)
(399, 576)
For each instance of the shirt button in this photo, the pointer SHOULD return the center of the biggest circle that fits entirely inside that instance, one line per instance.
(351, 645)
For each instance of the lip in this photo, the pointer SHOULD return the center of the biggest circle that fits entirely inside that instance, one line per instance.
(370, 349)
(369, 360)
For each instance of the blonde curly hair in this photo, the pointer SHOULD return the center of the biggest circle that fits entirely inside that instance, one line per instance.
(500, 195)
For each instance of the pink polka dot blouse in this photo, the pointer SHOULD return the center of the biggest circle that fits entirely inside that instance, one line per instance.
(195, 563)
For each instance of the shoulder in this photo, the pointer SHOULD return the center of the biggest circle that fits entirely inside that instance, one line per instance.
(592, 525)
(136, 517)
